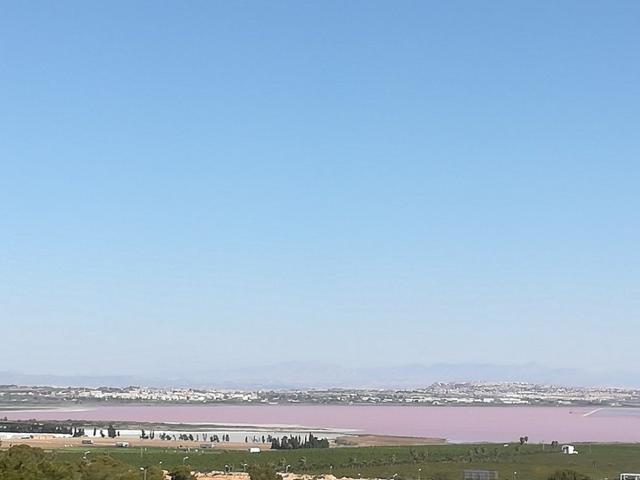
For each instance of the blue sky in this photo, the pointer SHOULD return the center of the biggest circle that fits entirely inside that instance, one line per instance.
(372, 183)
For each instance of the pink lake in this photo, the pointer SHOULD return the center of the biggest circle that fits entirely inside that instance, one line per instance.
(456, 424)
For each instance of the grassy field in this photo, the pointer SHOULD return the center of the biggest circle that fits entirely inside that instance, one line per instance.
(438, 462)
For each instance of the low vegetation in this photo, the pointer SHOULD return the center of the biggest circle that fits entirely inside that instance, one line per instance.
(26, 463)
(433, 462)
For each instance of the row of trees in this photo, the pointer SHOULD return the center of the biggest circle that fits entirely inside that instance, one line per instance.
(111, 432)
(294, 442)
(33, 426)
(188, 437)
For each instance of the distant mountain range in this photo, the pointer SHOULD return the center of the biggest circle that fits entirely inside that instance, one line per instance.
(289, 375)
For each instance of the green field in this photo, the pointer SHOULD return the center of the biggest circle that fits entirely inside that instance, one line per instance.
(438, 462)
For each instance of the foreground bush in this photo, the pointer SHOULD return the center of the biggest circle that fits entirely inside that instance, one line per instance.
(181, 473)
(568, 475)
(263, 472)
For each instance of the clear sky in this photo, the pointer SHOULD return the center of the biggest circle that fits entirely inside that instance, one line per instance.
(220, 183)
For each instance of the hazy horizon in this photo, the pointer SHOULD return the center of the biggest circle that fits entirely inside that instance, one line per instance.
(317, 375)
(187, 186)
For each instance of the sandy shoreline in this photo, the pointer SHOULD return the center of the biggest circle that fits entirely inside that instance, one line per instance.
(385, 440)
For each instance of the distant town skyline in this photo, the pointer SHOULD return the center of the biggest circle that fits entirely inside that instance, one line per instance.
(187, 186)
(440, 393)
